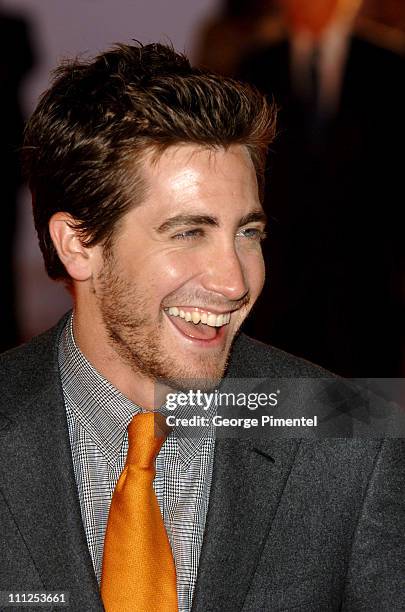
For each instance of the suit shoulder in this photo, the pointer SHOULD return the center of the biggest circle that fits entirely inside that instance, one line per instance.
(269, 52)
(30, 365)
(252, 358)
(381, 37)
(273, 56)
(378, 56)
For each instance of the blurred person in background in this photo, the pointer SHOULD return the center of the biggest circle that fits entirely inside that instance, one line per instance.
(335, 259)
(227, 37)
(16, 61)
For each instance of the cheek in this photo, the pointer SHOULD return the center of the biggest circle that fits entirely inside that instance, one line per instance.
(254, 271)
(171, 270)
(261, 272)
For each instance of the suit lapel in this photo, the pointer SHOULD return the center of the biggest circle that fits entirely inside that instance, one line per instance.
(248, 481)
(249, 477)
(37, 481)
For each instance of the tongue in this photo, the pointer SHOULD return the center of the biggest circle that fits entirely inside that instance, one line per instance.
(199, 331)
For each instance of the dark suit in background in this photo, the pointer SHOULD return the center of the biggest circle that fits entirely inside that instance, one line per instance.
(335, 199)
(309, 525)
(16, 59)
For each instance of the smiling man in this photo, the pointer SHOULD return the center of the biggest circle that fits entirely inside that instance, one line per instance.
(155, 303)
(146, 176)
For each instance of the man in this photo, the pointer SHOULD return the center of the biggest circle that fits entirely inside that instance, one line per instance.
(335, 292)
(146, 175)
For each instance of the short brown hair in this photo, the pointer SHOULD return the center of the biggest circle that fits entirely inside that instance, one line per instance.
(86, 138)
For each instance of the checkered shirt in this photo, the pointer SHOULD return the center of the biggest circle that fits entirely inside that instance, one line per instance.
(98, 416)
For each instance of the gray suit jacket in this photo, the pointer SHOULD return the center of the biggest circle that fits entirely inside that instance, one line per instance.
(303, 525)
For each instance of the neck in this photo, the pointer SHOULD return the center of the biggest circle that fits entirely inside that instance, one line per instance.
(92, 338)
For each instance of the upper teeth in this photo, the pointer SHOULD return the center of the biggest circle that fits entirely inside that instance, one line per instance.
(195, 316)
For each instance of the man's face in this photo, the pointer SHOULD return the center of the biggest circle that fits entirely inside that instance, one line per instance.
(310, 15)
(186, 265)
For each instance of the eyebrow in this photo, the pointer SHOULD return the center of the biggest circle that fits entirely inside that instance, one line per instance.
(191, 220)
(187, 220)
(256, 216)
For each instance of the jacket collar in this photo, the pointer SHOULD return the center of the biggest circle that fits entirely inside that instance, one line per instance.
(249, 477)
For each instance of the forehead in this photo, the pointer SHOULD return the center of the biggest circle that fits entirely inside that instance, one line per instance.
(187, 176)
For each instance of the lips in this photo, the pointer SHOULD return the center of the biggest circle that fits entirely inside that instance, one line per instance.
(198, 315)
(198, 332)
(196, 323)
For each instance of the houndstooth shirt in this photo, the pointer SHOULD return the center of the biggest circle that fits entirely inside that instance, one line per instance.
(98, 416)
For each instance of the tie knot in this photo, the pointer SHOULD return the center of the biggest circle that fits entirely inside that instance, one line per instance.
(146, 434)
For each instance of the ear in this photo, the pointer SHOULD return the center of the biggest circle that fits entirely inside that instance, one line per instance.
(76, 257)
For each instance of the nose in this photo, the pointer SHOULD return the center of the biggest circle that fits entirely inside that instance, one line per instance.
(224, 274)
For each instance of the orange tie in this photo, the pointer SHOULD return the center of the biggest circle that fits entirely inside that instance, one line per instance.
(138, 573)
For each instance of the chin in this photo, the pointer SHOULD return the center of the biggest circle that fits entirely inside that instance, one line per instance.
(194, 384)
(203, 377)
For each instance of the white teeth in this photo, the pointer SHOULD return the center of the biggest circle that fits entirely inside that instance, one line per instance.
(196, 317)
(212, 319)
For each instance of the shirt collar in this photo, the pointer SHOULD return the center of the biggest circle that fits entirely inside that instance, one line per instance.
(103, 411)
(332, 43)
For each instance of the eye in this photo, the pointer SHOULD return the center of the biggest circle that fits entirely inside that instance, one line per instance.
(252, 233)
(189, 234)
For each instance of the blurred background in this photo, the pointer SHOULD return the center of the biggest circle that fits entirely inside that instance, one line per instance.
(335, 68)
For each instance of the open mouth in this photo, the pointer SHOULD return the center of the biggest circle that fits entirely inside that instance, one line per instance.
(197, 323)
